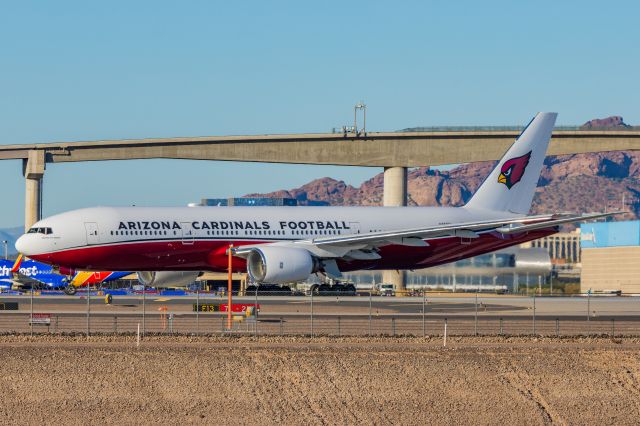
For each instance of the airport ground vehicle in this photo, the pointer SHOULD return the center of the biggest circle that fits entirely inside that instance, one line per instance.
(386, 290)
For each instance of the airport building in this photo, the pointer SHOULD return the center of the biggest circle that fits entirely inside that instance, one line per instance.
(610, 253)
(565, 253)
(250, 201)
(563, 247)
(513, 270)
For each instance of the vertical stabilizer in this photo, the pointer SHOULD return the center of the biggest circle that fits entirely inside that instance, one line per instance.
(16, 265)
(512, 184)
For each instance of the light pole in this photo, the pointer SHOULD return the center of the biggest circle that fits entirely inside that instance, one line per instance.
(363, 107)
(6, 250)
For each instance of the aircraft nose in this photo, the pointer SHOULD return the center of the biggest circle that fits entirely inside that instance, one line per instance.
(23, 246)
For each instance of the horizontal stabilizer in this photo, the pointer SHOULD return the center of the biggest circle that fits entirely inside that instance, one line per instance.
(516, 228)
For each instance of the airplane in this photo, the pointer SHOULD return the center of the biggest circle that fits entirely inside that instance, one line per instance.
(30, 272)
(287, 244)
(92, 278)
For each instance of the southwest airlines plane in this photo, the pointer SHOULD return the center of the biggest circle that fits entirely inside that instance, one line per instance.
(287, 244)
(29, 272)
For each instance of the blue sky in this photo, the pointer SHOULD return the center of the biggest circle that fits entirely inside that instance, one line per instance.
(88, 70)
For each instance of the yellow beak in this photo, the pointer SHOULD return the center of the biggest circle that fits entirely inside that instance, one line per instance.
(502, 178)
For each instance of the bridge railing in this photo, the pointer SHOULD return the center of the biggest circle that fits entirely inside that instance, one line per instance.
(514, 128)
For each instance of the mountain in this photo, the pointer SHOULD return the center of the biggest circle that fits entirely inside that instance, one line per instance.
(10, 235)
(572, 183)
(615, 121)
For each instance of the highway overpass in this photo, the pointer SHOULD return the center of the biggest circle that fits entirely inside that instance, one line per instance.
(395, 151)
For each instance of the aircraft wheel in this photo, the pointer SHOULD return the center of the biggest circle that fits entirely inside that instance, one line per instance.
(324, 289)
(70, 290)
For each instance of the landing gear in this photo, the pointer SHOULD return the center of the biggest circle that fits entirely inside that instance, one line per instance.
(333, 290)
(70, 290)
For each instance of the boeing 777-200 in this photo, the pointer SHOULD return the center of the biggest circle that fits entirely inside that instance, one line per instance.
(287, 244)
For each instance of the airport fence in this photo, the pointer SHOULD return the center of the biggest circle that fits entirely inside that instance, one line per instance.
(360, 315)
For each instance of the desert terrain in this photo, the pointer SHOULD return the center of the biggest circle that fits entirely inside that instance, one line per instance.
(273, 380)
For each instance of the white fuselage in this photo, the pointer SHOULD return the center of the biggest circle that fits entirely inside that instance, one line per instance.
(196, 238)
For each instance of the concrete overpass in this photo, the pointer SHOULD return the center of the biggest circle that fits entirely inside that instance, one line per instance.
(394, 151)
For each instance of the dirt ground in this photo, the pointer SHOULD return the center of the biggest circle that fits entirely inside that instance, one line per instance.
(69, 380)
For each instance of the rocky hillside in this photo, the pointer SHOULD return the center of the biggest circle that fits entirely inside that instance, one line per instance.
(577, 183)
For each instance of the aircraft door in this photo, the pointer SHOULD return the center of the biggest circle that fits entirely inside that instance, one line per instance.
(188, 233)
(92, 233)
(354, 227)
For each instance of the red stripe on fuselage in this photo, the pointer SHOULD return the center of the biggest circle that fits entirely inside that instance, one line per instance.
(210, 255)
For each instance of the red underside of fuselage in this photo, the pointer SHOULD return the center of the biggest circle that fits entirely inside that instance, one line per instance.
(210, 255)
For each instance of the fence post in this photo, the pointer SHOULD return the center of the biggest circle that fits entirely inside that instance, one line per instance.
(424, 304)
(115, 324)
(501, 333)
(445, 332)
(475, 324)
(31, 315)
(338, 325)
(88, 310)
(369, 312)
(312, 313)
(534, 313)
(281, 325)
(255, 308)
(557, 327)
(144, 297)
(613, 328)
(393, 326)
(198, 308)
(588, 312)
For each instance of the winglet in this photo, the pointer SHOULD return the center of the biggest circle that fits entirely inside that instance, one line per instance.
(16, 266)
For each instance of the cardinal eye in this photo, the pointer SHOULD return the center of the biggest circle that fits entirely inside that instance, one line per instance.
(508, 171)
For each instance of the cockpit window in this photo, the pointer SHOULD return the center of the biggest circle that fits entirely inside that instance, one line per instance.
(45, 231)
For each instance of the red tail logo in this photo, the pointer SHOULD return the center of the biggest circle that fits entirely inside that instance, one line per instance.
(512, 170)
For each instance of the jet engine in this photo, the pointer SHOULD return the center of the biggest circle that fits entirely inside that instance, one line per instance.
(168, 278)
(279, 265)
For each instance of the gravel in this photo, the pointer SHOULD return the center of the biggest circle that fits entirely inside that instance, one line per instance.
(292, 380)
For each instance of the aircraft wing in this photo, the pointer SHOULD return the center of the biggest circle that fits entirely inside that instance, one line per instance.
(27, 280)
(339, 246)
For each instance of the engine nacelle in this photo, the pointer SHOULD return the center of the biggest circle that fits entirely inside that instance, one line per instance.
(279, 265)
(168, 278)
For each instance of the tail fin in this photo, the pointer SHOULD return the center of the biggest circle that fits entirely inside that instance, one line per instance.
(512, 184)
(16, 266)
(80, 278)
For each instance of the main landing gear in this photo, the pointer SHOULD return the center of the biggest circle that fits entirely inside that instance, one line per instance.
(333, 290)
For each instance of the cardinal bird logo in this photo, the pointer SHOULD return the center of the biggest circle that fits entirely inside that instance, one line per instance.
(512, 170)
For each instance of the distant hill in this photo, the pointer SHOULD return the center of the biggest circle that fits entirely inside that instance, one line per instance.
(575, 183)
(10, 235)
